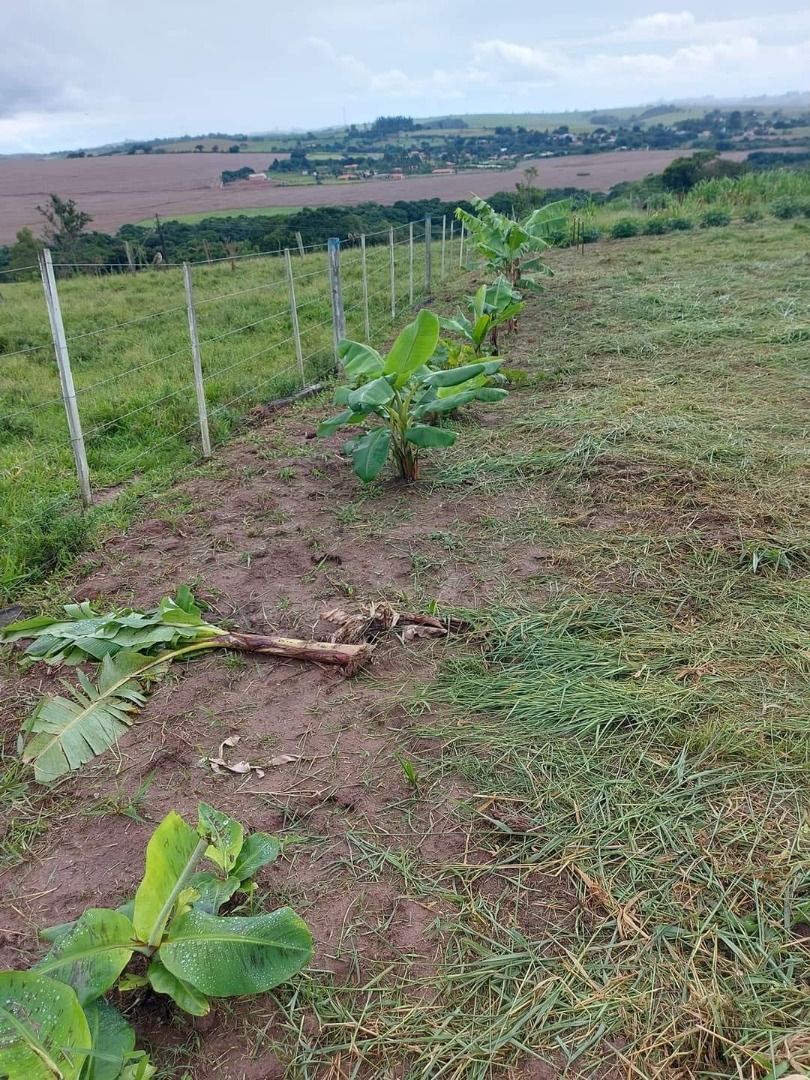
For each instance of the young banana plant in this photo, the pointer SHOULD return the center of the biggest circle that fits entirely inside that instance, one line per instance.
(402, 391)
(491, 307)
(54, 1019)
(515, 248)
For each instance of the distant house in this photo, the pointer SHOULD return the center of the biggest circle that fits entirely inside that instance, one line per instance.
(442, 172)
(258, 176)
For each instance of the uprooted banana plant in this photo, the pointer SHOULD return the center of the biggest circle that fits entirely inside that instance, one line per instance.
(54, 1019)
(133, 648)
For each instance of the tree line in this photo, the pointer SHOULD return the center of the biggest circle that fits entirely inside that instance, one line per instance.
(66, 231)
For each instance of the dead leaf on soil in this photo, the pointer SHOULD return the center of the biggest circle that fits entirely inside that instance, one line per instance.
(220, 766)
(282, 759)
(376, 617)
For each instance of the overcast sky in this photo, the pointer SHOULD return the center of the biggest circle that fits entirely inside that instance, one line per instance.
(82, 72)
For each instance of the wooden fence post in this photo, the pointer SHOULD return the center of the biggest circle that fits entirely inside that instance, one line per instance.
(428, 254)
(65, 375)
(461, 247)
(444, 240)
(196, 358)
(299, 352)
(338, 316)
(410, 264)
(364, 272)
(392, 271)
(300, 241)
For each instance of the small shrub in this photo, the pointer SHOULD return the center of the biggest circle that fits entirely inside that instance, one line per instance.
(625, 228)
(656, 226)
(712, 219)
(786, 207)
(680, 224)
(590, 234)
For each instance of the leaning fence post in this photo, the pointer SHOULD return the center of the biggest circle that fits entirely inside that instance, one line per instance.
(65, 375)
(338, 317)
(392, 271)
(444, 240)
(410, 263)
(364, 273)
(461, 247)
(300, 241)
(299, 352)
(428, 253)
(196, 359)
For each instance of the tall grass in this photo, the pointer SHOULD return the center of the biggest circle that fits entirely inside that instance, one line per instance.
(750, 189)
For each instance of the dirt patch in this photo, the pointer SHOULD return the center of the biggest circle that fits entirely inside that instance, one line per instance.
(268, 553)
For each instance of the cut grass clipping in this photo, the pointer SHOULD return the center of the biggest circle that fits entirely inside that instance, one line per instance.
(615, 757)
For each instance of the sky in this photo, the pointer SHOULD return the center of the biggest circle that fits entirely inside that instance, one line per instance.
(85, 72)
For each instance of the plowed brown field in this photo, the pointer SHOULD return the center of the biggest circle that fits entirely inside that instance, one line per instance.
(121, 189)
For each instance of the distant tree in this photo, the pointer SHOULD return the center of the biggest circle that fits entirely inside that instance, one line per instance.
(681, 175)
(390, 125)
(23, 255)
(198, 149)
(234, 149)
(231, 176)
(64, 224)
(527, 193)
(735, 121)
(215, 148)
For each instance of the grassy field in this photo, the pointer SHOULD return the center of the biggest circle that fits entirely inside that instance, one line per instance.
(128, 340)
(601, 868)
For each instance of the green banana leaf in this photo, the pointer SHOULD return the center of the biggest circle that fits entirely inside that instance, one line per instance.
(359, 361)
(67, 734)
(259, 849)
(173, 851)
(222, 957)
(424, 435)
(112, 1042)
(93, 953)
(44, 1034)
(370, 453)
(225, 835)
(413, 348)
(183, 994)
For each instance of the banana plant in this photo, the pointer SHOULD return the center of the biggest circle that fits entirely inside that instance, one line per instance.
(54, 1019)
(403, 391)
(132, 648)
(515, 248)
(492, 306)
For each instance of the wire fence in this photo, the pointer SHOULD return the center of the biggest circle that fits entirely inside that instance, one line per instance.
(104, 378)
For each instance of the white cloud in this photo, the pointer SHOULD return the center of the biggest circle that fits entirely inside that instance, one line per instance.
(683, 26)
(513, 60)
(663, 25)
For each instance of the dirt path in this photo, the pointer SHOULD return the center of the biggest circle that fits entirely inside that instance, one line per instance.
(276, 532)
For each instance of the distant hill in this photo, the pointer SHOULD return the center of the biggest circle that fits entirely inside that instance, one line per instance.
(580, 120)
